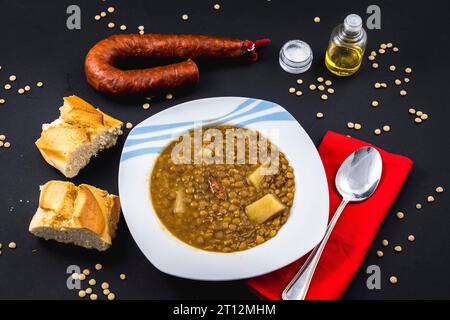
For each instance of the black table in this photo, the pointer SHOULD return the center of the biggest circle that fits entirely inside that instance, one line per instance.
(37, 46)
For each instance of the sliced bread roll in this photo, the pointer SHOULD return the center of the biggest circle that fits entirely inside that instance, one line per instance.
(85, 216)
(81, 131)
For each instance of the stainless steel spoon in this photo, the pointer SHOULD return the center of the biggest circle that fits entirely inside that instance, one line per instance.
(356, 180)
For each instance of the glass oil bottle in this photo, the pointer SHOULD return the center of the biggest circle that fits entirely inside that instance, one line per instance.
(346, 47)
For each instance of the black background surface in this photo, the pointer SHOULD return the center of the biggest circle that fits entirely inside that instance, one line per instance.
(36, 46)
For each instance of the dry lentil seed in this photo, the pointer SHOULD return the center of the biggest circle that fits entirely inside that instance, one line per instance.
(93, 296)
(381, 51)
(12, 77)
(111, 296)
(7, 144)
(105, 285)
(2, 137)
(418, 206)
(393, 279)
(377, 85)
(82, 277)
(97, 17)
(328, 82)
(424, 116)
(7, 86)
(169, 96)
(398, 249)
(184, 17)
(146, 106)
(371, 58)
(350, 125)
(384, 243)
(389, 45)
(319, 115)
(384, 84)
(375, 65)
(406, 80)
(111, 25)
(141, 28)
(217, 6)
(92, 282)
(110, 9)
(312, 87)
(380, 253)
(386, 128)
(82, 293)
(123, 27)
(377, 131)
(419, 113)
(400, 215)
(316, 19)
(12, 245)
(298, 93)
(75, 276)
(103, 14)
(358, 126)
(27, 88)
(129, 125)
(403, 92)
(375, 103)
(98, 266)
(122, 276)
(383, 46)
(395, 49)
(321, 87)
(40, 84)
(291, 90)
(299, 81)
(373, 53)
(430, 198)
(398, 82)
(324, 97)
(86, 272)
(417, 120)
(412, 111)
(2, 101)
(141, 32)
(330, 90)
(1, 144)
(392, 68)
(320, 79)
(88, 290)
(408, 70)
(106, 292)
(439, 189)
(411, 238)
(21, 91)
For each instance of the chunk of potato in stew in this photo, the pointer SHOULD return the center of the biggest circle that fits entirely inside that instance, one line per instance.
(223, 206)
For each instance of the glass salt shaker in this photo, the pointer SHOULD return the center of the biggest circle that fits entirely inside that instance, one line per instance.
(296, 56)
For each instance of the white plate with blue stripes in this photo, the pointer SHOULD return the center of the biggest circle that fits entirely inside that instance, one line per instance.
(304, 228)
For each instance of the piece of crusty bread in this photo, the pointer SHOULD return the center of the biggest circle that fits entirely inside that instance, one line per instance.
(83, 215)
(81, 131)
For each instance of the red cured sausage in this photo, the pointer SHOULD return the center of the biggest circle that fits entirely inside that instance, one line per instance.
(106, 78)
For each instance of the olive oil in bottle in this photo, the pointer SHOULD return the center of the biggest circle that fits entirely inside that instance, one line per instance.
(346, 47)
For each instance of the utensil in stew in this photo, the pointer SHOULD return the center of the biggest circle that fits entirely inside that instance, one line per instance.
(356, 180)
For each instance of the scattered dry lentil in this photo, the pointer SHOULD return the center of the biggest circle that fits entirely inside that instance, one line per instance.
(439, 189)
(12, 77)
(316, 19)
(375, 103)
(88, 290)
(40, 84)
(398, 249)
(123, 27)
(330, 90)
(408, 70)
(184, 17)
(412, 111)
(141, 28)
(417, 120)
(350, 125)
(105, 285)
(395, 49)
(98, 266)
(400, 215)
(398, 82)
(298, 93)
(103, 14)
(146, 106)
(27, 88)
(21, 91)
(97, 17)
(111, 9)
(169, 96)
(111, 296)
(92, 282)
(377, 85)
(291, 90)
(403, 92)
(111, 25)
(430, 199)
(321, 87)
(371, 58)
(86, 272)
(384, 243)
(129, 125)
(389, 45)
(386, 128)
(299, 81)
(319, 115)
(217, 6)
(406, 80)
(122, 276)
(2, 101)
(324, 97)
(7, 86)
(82, 293)
(328, 82)
(383, 46)
(384, 84)
(7, 144)
(393, 279)
(411, 238)
(375, 65)
(392, 68)
(377, 131)
(106, 292)
(381, 51)
(380, 253)
(82, 277)
(418, 206)
(312, 87)
(93, 296)
(358, 126)
(424, 116)
(12, 245)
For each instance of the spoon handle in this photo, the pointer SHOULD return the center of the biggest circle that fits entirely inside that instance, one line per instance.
(299, 285)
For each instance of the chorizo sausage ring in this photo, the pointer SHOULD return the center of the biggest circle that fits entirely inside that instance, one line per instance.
(106, 78)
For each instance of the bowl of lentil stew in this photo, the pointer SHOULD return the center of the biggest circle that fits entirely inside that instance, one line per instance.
(216, 236)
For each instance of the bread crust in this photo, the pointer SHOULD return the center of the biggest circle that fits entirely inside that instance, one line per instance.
(64, 206)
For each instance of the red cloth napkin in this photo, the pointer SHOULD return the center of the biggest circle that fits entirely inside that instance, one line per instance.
(353, 233)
